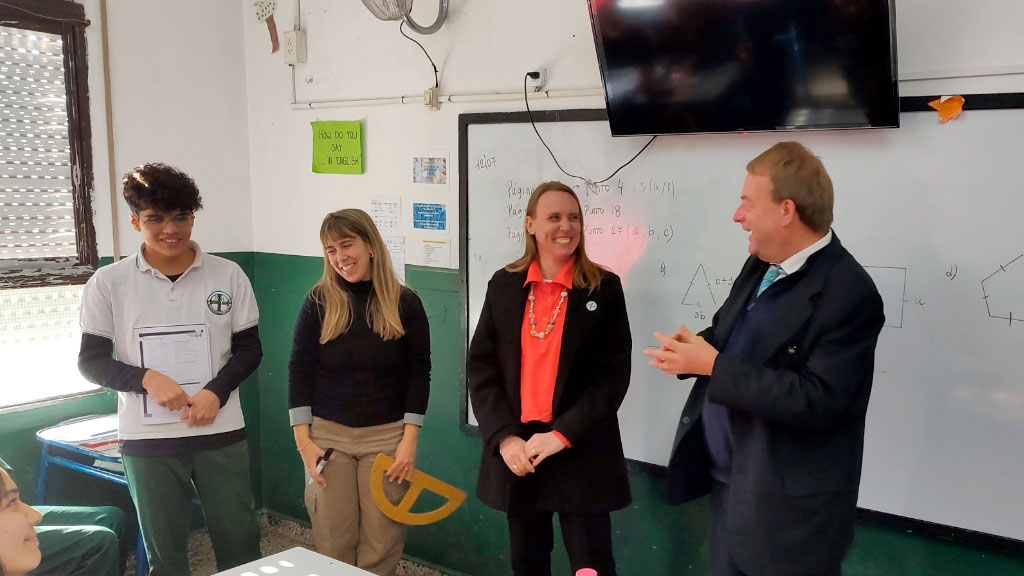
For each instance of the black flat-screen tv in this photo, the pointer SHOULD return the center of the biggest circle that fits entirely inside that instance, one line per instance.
(689, 66)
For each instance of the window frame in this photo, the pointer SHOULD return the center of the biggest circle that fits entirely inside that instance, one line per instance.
(66, 19)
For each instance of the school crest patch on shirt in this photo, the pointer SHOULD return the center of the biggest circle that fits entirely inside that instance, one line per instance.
(219, 302)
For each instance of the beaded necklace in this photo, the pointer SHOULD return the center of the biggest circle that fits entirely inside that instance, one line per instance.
(551, 323)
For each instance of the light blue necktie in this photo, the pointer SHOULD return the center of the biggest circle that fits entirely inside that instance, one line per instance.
(774, 273)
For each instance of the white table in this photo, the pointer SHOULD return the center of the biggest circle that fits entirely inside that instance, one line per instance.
(296, 562)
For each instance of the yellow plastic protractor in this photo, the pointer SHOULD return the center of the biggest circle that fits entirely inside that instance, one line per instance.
(418, 482)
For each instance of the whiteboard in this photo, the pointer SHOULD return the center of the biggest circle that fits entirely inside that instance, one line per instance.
(931, 210)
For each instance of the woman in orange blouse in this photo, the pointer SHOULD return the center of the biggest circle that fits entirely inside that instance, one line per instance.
(549, 366)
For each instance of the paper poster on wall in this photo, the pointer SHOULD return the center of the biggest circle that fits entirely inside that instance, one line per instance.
(429, 216)
(338, 147)
(430, 169)
(265, 13)
(386, 212)
(396, 249)
(436, 253)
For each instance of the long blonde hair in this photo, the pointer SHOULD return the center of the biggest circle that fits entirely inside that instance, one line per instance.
(382, 310)
(586, 274)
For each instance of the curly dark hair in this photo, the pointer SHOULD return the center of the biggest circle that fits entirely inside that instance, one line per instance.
(160, 187)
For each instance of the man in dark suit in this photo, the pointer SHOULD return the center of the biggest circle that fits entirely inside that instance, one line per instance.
(774, 425)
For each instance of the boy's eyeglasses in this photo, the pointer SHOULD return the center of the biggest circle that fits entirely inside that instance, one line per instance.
(181, 220)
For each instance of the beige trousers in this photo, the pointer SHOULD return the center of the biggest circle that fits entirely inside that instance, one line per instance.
(347, 524)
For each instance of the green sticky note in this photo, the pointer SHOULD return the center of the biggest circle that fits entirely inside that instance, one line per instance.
(338, 147)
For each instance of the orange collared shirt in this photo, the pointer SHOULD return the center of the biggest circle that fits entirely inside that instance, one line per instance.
(540, 355)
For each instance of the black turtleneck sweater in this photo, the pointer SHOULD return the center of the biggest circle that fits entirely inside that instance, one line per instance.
(358, 379)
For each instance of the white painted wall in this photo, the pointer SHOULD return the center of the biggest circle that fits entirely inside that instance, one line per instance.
(179, 96)
(940, 37)
(485, 47)
(194, 84)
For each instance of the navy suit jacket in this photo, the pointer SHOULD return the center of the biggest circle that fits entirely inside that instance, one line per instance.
(797, 411)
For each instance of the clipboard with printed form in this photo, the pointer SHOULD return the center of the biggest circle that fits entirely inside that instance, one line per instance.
(182, 353)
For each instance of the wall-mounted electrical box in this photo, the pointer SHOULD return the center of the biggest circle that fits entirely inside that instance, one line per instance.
(431, 98)
(294, 47)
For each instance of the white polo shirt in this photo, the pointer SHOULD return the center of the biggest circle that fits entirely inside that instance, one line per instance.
(131, 294)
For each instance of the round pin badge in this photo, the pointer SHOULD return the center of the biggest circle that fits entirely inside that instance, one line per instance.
(591, 305)
(219, 302)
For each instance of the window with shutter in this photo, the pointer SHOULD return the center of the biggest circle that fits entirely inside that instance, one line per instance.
(35, 149)
(47, 241)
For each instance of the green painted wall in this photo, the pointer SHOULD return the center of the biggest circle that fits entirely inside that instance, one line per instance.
(281, 284)
(650, 537)
(249, 392)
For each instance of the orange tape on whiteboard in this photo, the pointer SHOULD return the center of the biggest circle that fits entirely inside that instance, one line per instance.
(948, 107)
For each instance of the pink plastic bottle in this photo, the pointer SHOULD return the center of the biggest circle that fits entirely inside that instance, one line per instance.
(586, 572)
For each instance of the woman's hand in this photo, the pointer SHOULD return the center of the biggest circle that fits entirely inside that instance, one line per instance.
(405, 459)
(540, 446)
(310, 452)
(513, 451)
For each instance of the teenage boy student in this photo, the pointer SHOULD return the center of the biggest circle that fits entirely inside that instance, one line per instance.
(182, 326)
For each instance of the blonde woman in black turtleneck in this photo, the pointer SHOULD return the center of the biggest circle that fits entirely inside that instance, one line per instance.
(358, 382)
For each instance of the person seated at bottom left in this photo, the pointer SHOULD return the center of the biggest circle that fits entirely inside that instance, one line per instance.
(78, 540)
(19, 546)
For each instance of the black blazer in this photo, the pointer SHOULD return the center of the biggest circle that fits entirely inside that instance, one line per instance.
(593, 375)
(798, 407)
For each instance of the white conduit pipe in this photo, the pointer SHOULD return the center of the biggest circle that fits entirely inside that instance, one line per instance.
(451, 98)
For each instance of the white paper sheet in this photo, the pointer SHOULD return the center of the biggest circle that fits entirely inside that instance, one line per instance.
(386, 212)
(182, 353)
(396, 248)
(437, 253)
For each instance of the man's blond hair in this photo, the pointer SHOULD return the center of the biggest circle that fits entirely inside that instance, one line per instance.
(798, 175)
